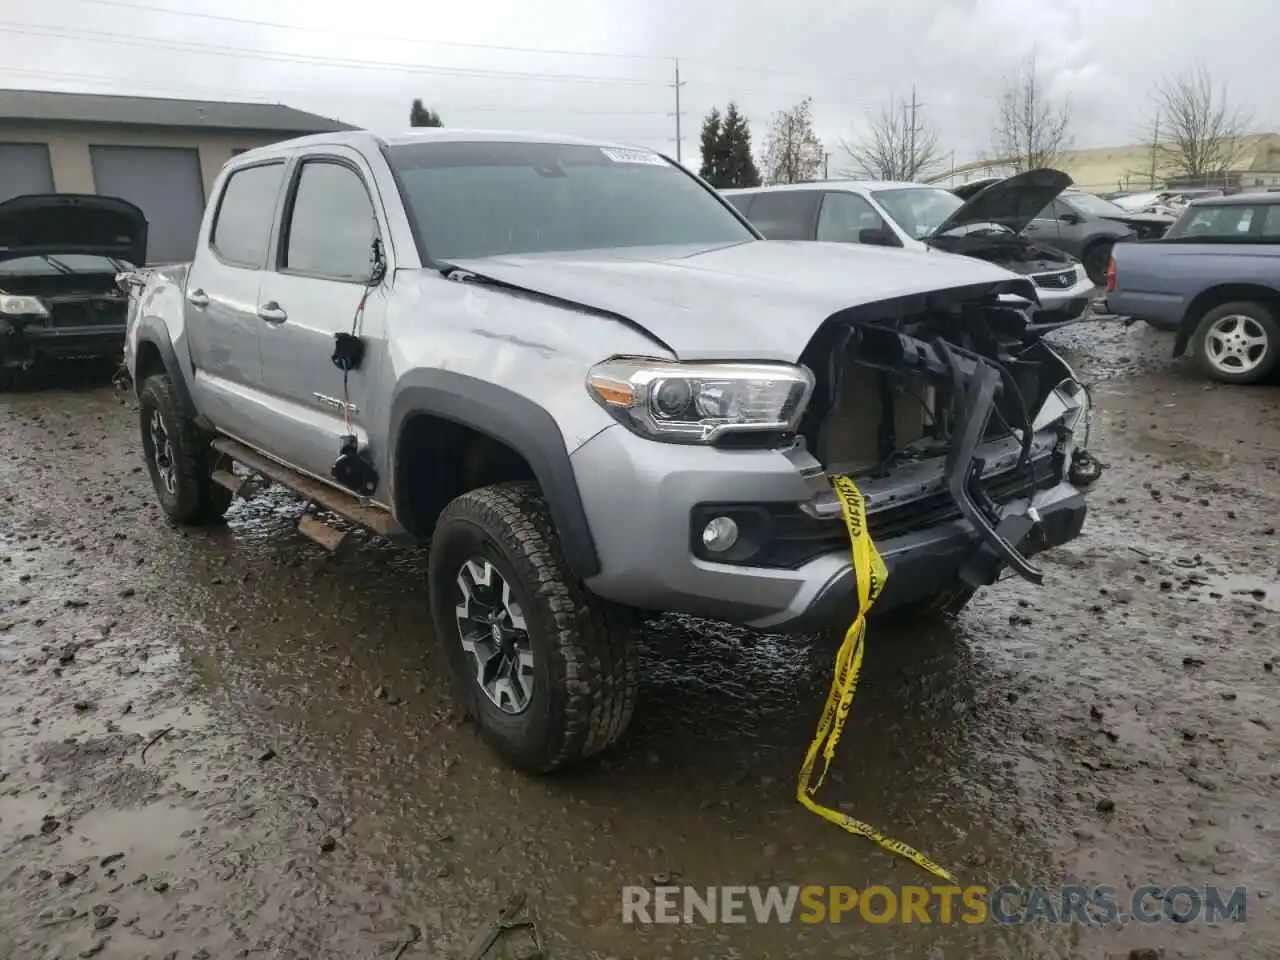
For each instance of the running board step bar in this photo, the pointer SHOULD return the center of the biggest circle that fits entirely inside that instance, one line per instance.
(238, 485)
(329, 498)
(319, 532)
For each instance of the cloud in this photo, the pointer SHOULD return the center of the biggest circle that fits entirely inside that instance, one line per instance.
(366, 64)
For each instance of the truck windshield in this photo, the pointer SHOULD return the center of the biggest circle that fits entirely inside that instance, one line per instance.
(485, 199)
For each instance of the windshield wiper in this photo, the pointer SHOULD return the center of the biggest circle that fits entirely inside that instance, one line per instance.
(59, 265)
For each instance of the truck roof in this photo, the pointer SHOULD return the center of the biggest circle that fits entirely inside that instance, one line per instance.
(831, 185)
(371, 140)
(1236, 200)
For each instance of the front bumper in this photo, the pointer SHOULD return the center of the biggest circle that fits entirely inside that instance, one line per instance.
(640, 500)
(20, 347)
(1066, 303)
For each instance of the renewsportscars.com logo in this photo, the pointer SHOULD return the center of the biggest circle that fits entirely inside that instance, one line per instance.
(1007, 904)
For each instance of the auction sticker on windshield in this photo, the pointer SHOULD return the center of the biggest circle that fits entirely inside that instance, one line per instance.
(633, 156)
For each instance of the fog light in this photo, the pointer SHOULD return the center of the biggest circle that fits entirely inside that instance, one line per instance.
(720, 534)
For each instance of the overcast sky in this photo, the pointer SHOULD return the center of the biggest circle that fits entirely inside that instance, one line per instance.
(605, 67)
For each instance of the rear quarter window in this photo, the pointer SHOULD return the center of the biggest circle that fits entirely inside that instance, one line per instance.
(242, 224)
(786, 215)
(1271, 225)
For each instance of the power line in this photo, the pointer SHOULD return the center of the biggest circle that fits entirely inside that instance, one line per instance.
(306, 28)
(189, 46)
(275, 24)
(272, 96)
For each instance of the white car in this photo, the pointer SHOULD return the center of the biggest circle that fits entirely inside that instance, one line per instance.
(1169, 202)
(916, 216)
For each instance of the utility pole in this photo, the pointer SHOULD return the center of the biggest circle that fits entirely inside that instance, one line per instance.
(911, 134)
(1155, 148)
(677, 85)
(826, 168)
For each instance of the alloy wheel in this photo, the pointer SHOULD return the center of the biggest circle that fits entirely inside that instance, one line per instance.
(1235, 344)
(162, 453)
(493, 632)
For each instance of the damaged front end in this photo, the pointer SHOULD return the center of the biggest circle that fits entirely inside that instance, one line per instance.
(960, 426)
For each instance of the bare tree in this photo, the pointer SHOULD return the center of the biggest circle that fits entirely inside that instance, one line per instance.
(792, 151)
(1031, 130)
(1200, 134)
(899, 145)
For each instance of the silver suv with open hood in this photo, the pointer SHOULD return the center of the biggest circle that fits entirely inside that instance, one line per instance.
(595, 389)
(915, 216)
(59, 257)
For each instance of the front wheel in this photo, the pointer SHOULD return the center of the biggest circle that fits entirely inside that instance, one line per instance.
(1237, 342)
(177, 457)
(1096, 261)
(546, 669)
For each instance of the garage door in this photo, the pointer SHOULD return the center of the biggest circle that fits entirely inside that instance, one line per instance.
(165, 182)
(24, 168)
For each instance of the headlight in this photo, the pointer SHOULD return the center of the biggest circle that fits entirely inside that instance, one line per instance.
(697, 403)
(13, 306)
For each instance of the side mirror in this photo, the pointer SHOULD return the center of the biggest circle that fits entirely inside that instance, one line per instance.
(1068, 216)
(877, 238)
(130, 281)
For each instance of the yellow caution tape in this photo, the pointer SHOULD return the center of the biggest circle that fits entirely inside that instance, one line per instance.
(871, 573)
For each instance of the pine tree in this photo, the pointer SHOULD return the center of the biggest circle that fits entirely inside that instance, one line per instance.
(422, 116)
(739, 168)
(712, 154)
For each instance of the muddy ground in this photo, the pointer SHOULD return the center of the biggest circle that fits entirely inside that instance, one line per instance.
(227, 744)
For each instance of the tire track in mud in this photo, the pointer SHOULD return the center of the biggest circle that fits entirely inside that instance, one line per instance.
(1117, 726)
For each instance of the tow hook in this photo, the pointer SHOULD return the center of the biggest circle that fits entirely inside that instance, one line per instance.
(1085, 468)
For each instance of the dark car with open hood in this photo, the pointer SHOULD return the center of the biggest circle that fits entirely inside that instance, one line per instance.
(1074, 221)
(915, 216)
(59, 258)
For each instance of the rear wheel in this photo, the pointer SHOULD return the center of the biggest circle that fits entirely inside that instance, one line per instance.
(178, 457)
(1238, 342)
(1096, 260)
(546, 669)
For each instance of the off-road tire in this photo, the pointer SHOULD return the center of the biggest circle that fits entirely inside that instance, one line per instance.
(1096, 260)
(585, 671)
(1260, 313)
(197, 500)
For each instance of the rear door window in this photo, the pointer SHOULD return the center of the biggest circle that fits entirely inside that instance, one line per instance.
(786, 214)
(243, 221)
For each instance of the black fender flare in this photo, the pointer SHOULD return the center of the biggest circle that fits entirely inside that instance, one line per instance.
(511, 419)
(154, 332)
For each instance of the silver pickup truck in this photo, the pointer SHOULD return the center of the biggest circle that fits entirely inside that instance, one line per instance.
(596, 391)
(1215, 279)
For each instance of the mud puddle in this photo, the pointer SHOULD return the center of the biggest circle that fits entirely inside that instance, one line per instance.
(308, 791)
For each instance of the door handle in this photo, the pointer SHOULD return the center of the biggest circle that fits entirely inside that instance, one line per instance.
(197, 298)
(272, 312)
